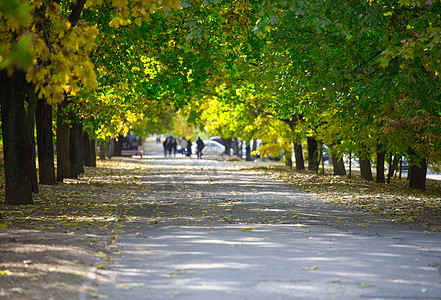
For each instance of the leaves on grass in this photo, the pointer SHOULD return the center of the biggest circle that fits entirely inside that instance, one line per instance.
(394, 201)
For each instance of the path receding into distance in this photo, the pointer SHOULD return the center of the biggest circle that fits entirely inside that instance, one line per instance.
(204, 230)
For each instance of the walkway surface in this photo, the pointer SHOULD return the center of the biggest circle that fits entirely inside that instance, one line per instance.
(203, 229)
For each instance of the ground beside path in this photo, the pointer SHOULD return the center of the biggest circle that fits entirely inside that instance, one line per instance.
(209, 230)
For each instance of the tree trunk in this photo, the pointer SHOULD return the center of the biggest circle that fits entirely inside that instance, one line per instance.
(32, 107)
(288, 158)
(16, 139)
(417, 171)
(110, 148)
(89, 150)
(381, 156)
(86, 149)
(298, 154)
(45, 143)
(337, 163)
(313, 155)
(79, 146)
(227, 143)
(103, 150)
(365, 169)
(393, 165)
(118, 145)
(338, 166)
(76, 149)
(92, 148)
(63, 132)
(247, 151)
(236, 148)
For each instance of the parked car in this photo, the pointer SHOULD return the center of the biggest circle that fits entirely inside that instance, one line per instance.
(212, 148)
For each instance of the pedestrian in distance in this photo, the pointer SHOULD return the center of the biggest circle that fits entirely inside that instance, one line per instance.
(189, 152)
(174, 146)
(165, 145)
(199, 146)
(170, 146)
(184, 144)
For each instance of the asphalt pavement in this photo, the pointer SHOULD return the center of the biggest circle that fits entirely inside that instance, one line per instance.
(212, 230)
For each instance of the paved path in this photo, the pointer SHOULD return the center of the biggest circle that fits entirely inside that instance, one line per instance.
(204, 230)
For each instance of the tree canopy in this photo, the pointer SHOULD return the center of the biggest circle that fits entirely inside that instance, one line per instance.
(359, 76)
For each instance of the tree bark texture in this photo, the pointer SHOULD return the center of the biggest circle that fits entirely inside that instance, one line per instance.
(76, 149)
(236, 148)
(338, 166)
(247, 151)
(365, 169)
(45, 143)
(103, 150)
(118, 146)
(381, 156)
(92, 152)
(298, 154)
(393, 166)
(86, 149)
(337, 163)
(32, 107)
(288, 158)
(417, 171)
(63, 132)
(16, 139)
(313, 154)
(227, 143)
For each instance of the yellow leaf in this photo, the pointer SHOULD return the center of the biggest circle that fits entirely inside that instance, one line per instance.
(248, 229)
(101, 267)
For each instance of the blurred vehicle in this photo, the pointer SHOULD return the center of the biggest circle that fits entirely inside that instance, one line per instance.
(212, 148)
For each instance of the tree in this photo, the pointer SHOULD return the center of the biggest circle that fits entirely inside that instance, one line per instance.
(57, 64)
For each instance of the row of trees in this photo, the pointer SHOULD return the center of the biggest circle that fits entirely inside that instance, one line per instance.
(72, 58)
(359, 76)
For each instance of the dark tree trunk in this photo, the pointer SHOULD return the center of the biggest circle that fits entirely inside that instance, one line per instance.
(92, 153)
(103, 151)
(381, 156)
(118, 146)
(365, 169)
(110, 148)
(236, 148)
(253, 149)
(76, 149)
(16, 139)
(86, 149)
(338, 166)
(247, 151)
(32, 107)
(337, 163)
(227, 143)
(313, 154)
(79, 146)
(417, 171)
(63, 132)
(393, 166)
(298, 154)
(45, 143)
(288, 158)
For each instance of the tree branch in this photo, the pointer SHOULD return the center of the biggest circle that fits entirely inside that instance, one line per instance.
(76, 7)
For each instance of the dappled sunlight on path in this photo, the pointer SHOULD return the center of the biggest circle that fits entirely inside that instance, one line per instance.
(203, 230)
